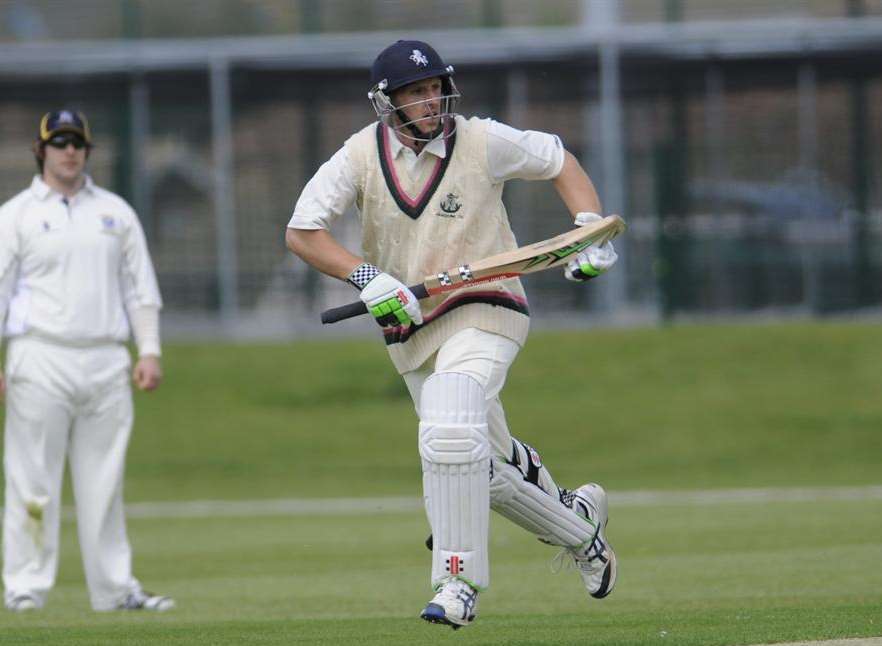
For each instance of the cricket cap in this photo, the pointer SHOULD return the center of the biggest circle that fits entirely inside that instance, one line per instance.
(59, 121)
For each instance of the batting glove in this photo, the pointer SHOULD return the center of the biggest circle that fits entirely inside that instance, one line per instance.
(388, 299)
(593, 261)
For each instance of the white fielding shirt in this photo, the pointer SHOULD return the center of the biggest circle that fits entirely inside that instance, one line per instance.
(511, 154)
(75, 271)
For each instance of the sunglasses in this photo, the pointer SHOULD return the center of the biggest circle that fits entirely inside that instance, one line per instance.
(63, 141)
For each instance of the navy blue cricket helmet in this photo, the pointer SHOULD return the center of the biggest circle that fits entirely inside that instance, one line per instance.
(405, 62)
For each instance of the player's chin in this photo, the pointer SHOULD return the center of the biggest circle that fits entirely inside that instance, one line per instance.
(429, 128)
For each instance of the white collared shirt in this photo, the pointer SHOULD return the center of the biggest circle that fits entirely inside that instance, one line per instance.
(71, 269)
(511, 154)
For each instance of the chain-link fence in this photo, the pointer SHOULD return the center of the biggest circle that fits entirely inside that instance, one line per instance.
(751, 180)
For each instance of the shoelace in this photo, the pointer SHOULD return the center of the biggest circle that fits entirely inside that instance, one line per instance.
(590, 566)
(461, 594)
(462, 591)
(561, 562)
(588, 563)
(468, 598)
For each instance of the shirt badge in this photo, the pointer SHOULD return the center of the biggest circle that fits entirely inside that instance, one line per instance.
(450, 205)
(108, 222)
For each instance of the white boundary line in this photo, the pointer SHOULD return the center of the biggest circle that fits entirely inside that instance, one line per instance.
(274, 507)
(402, 504)
(717, 496)
(396, 505)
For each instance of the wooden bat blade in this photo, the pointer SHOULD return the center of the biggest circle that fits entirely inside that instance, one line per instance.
(524, 260)
(528, 259)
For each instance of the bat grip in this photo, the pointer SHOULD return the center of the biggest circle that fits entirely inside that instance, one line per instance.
(357, 308)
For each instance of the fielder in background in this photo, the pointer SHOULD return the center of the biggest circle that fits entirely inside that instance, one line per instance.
(428, 185)
(75, 277)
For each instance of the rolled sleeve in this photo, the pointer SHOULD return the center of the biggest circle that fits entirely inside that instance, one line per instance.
(522, 154)
(326, 196)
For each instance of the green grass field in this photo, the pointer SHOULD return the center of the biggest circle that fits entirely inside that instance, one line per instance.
(672, 409)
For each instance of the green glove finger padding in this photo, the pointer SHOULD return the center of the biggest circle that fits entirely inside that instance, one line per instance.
(390, 311)
(589, 270)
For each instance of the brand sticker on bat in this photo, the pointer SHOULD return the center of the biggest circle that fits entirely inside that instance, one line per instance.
(558, 254)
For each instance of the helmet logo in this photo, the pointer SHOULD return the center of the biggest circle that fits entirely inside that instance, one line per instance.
(65, 117)
(419, 58)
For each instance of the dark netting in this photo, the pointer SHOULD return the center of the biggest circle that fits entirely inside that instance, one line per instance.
(749, 185)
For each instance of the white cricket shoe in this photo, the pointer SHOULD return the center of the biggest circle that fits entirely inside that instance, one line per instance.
(455, 604)
(142, 600)
(595, 560)
(22, 603)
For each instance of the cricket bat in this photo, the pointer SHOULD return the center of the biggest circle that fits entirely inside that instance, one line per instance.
(524, 260)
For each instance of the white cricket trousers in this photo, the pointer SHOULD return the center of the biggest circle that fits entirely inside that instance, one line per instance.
(484, 356)
(64, 401)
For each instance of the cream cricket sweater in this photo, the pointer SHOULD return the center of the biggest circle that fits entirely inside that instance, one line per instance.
(416, 226)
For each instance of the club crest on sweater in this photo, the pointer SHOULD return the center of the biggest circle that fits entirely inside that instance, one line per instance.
(449, 206)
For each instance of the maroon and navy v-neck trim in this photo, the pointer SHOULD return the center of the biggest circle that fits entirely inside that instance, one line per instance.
(412, 206)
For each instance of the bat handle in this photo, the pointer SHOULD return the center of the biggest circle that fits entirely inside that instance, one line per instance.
(357, 308)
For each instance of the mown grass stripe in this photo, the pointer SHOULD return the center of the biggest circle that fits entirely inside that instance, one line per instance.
(394, 505)
(405, 504)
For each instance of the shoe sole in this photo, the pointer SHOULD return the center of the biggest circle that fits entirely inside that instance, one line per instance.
(434, 614)
(609, 576)
(610, 573)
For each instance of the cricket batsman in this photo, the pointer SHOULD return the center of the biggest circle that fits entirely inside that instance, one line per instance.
(427, 183)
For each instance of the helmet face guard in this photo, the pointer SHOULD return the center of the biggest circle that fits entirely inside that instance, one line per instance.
(395, 116)
(405, 62)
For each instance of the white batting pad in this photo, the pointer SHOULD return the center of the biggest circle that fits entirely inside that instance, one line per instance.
(455, 452)
(541, 513)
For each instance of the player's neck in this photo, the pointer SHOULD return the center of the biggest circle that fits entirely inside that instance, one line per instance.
(415, 145)
(66, 187)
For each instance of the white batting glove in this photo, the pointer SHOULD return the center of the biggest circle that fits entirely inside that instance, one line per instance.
(594, 260)
(388, 299)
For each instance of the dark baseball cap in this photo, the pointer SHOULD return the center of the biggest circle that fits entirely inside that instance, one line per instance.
(59, 121)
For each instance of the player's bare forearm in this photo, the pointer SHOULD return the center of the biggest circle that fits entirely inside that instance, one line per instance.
(318, 248)
(575, 187)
